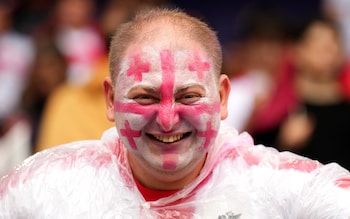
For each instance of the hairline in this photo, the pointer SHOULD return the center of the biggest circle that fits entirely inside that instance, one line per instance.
(135, 31)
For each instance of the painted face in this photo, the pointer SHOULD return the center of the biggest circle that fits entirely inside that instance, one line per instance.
(167, 106)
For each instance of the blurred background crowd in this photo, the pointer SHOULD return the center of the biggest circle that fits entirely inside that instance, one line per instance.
(288, 62)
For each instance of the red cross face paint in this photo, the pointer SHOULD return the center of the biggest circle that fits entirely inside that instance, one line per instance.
(167, 106)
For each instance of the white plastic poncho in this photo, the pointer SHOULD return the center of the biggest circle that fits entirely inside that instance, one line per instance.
(92, 179)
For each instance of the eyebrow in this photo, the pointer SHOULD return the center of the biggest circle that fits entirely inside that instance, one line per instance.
(184, 89)
(153, 90)
(143, 88)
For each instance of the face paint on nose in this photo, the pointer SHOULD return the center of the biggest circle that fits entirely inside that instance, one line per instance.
(167, 115)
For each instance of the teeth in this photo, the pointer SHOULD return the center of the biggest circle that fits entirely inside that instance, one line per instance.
(169, 139)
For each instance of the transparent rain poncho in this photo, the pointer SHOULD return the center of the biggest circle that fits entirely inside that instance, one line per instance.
(92, 179)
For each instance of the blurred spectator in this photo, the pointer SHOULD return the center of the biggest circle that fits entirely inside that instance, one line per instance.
(16, 54)
(74, 29)
(319, 126)
(114, 13)
(338, 11)
(260, 86)
(344, 80)
(49, 70)
(14, 143)
(31, 13)
(74, 112)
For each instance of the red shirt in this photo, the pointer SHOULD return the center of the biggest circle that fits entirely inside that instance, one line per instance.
(151, 194)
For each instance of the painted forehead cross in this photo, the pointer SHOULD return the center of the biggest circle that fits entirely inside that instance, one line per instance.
(138, 66)
(199, 66)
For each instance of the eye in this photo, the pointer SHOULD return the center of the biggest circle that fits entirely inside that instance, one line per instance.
(189, 98)
(190, 94)
(143, 95)
(145, 99)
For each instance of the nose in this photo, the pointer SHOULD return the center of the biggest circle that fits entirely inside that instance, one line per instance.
(167, 116)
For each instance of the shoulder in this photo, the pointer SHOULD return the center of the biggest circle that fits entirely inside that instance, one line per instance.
(78, 178)
(55, 161)
(241, 147)
(76, 154)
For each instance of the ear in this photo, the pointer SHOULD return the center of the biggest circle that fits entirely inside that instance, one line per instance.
(109, 98)
(224, 89)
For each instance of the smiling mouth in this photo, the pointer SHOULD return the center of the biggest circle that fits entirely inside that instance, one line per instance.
(169, 139)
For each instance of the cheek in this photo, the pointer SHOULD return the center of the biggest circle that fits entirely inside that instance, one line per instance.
(196, 113)
(205, 118)
(130, 110)
(135, 121)
(130, 118)
(126, 128)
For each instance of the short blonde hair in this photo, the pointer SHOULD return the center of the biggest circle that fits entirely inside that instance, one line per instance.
(138, 28)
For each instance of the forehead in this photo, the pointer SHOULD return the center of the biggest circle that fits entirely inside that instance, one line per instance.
(142, 62)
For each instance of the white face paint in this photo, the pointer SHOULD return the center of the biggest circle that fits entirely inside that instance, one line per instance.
(167, 106)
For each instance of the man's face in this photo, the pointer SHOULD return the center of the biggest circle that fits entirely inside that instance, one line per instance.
(167, 106)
